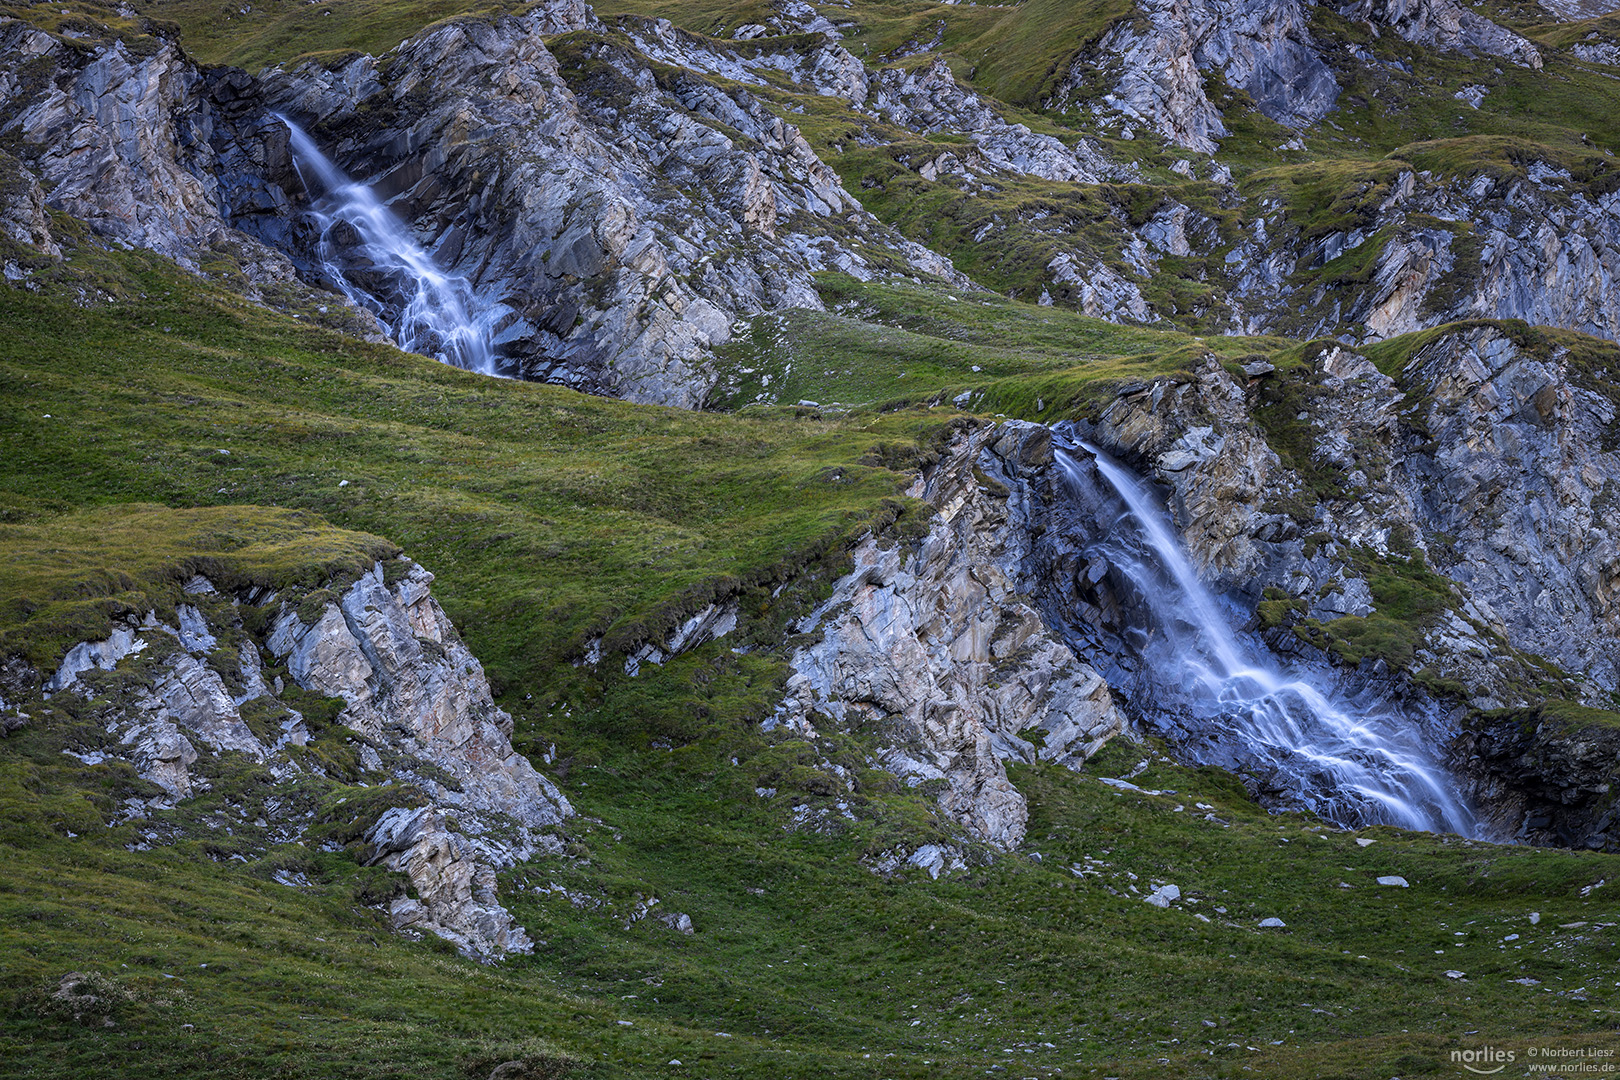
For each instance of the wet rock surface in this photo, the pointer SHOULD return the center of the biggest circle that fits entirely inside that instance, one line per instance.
(1477, 481)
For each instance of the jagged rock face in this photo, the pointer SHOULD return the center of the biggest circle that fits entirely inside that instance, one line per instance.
(1220, 470)
(937, 649)
(1495, 461)
(929, 99)
(1544, 782)
(1267, 50)
(24, 217)
(105, 137)
(617, 232)
(1522, 478)
(623, 220)
(392, 654)
(1153, 70)
(122, 137)
(1509, 470)
(1156, 67)
(1536, 247)
(415, 696)
(1443, 24)
(1155, 64)
(454, 878)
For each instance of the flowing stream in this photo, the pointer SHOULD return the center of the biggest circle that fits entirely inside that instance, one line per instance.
(369, 255)
(1353, 764)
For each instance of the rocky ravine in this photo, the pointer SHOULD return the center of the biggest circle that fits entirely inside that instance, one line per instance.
(622, 205)
(1491, 458)
(464, 804)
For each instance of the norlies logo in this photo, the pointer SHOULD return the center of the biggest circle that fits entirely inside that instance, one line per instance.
(1481, 1060)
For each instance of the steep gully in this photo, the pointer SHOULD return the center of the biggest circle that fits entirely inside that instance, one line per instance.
(369, 256)
(1230, 700)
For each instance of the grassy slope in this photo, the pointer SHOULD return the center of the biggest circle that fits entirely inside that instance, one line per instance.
(811, 966)
(66, 580)
(572, 516)
(894, 343)
(540, 510)
(549, 518)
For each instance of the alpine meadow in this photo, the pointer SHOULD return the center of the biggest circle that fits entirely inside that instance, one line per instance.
(839, 540)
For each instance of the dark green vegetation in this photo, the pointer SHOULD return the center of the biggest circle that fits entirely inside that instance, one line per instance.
(892, 345)
(152, 428)
(551, 518)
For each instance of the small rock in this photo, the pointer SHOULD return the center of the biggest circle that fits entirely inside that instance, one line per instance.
(1454, 974)
(1272, 923)
(1535, 917)
(1362, 841)
(1395, 880)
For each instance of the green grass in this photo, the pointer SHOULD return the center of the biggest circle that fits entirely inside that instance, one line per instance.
(253, 34)
(66, 580)
(549, 516)
(810, 965)
(553, 519)
(560, 517)
(892, 344)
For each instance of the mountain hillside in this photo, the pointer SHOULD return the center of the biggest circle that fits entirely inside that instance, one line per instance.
(869, 539)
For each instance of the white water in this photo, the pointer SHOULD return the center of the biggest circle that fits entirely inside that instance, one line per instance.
(425, 310)
(1353, 765)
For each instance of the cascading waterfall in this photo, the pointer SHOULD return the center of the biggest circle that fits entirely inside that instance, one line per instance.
(1353, 764)
(425, 310)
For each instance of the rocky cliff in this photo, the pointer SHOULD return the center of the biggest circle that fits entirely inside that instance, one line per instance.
(622, 196)
(362, 694)
(1156, 61)
(1444, 532)
(615, 222)
(934, 647)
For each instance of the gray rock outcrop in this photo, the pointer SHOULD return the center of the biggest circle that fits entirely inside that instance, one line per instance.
(937, 650)
(1444, 25)
(1487, 460)
(615, 225)
(415, 698)
(1522, 480)
(1155, 63)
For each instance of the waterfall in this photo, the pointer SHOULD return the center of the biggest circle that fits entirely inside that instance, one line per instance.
(1354, 764)
(369, 255)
